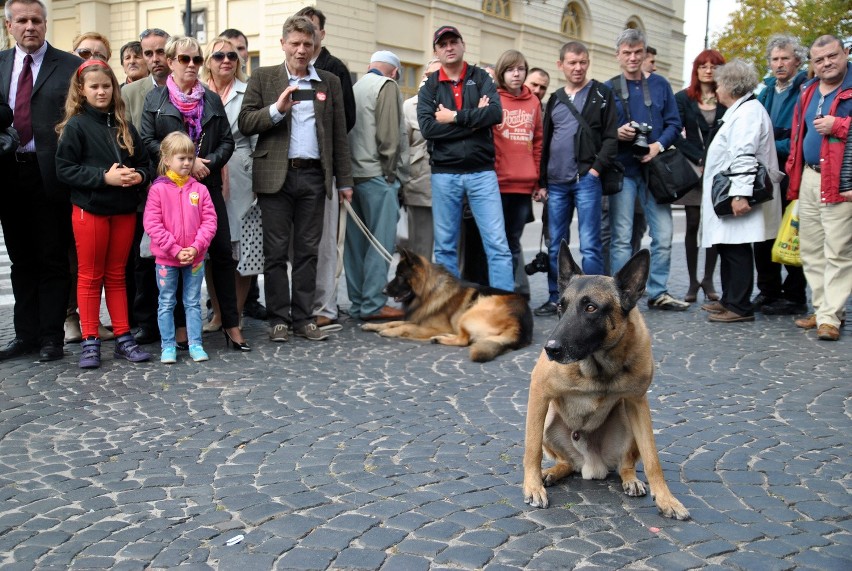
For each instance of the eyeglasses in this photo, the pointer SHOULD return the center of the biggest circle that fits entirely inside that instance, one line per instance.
(150, 53)
(707, 67)
(220, 56)
(86, 53)
(184, 59)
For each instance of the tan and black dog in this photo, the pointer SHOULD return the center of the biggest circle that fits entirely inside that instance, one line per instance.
(588, 407)
(442, 309)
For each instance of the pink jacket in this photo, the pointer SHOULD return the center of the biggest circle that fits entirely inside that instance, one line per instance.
(178, 217)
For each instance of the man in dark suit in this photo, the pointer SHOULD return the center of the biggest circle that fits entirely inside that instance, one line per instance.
(301, 146)
(36, 212)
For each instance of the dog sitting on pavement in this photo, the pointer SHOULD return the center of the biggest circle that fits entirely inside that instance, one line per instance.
(588, 406)
(442, 309)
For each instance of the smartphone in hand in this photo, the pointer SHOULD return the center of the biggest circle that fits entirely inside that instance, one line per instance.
(303, 95)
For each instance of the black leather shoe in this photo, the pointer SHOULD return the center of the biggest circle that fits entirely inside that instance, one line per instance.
(16, 348)
(255, 310)
(146, 336)
(50, 351)
(547, 308)
(784, 307)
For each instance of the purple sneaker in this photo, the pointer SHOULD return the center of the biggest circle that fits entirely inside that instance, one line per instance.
(127, 348)
(90, 358)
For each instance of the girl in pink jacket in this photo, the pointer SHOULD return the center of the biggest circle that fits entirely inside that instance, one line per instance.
(181, 221)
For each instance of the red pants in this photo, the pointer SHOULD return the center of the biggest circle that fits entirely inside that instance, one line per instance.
(103, 244)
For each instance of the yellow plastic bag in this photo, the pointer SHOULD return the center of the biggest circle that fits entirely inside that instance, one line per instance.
(786, 248)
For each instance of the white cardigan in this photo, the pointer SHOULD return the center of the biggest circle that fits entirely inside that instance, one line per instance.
(746, 129)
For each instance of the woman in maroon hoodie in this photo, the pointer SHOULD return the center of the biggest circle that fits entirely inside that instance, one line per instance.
(517, 147)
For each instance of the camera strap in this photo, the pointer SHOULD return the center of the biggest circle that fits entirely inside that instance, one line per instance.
(624, 95)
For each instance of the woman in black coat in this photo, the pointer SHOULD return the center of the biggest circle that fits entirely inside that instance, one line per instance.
(699, 114)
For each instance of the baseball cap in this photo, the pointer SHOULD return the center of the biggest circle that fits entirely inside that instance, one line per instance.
(443, 31)
(386, 56)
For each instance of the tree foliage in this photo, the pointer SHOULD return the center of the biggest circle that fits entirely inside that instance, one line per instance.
(755, 21)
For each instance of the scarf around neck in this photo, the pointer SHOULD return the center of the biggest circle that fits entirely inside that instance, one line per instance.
(176, 178)
(190, 105)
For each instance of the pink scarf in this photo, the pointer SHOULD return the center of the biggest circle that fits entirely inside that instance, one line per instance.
(190, 105)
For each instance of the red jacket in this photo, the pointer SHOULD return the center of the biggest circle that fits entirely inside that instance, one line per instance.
(517, 142)
(832, 147)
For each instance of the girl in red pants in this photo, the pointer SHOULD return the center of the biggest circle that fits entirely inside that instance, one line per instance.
(102, 159)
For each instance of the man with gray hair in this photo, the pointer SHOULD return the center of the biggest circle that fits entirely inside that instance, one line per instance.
(647, 103)
(379, 160)
(785, 56)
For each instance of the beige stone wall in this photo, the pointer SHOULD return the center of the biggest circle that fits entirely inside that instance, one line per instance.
(357, 28)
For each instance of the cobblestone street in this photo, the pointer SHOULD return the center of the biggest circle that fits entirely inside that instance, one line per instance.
(367, 453)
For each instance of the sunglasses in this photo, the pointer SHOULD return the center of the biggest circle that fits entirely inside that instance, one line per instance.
(220, 56)
(86, 53)
(150, 53)
(184, 59)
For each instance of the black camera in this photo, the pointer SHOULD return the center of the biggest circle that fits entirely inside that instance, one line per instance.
(539, 264)
(640, 145)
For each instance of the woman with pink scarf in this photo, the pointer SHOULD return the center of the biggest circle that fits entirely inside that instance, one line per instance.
(185, 104)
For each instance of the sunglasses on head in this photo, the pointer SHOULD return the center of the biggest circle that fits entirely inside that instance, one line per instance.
(184, 59)
(86, 53)
(150, 53)
(220, 56)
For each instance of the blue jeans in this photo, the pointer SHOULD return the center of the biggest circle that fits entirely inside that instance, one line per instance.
(659, 217)
(585, 195)
(375, 202)
(167, 282)
(483, 195)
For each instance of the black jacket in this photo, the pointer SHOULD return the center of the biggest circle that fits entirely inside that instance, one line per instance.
(596, 148)
(160, 117)
(87, 149)
(331, 64)
(698, 132)
(465, 146)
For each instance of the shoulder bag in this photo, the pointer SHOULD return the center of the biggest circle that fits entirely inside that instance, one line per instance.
(669, 175)
(611, 178)
(761, 190)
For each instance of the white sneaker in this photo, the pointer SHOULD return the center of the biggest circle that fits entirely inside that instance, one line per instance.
(667, 303)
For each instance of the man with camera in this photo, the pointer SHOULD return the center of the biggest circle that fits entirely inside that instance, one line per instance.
(649, 119)
(580, 133)
(301, 146)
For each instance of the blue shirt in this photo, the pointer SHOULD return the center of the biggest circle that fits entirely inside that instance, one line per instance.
(819, 105)
(562, 165)
(303, 123)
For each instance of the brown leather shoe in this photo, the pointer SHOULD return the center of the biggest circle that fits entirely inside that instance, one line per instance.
(808, 322)
(729, 317)
(828, 332)
(386, 312)
(714, 307)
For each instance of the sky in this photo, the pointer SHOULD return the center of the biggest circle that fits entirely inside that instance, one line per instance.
(695, 16)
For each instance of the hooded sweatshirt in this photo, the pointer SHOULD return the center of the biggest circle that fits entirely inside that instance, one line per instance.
(177, 217)
(517, 142)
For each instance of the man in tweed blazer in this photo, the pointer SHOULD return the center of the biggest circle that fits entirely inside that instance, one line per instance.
(301, 146)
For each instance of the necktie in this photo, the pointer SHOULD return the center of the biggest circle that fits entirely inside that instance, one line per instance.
(23, 116)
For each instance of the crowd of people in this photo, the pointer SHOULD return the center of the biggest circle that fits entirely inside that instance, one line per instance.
(192, 171)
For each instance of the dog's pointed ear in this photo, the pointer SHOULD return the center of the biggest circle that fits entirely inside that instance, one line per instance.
(568, 268)
(407, 256)
(631, 279)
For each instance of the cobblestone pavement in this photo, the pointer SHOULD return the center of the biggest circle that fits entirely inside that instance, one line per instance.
(367, 453)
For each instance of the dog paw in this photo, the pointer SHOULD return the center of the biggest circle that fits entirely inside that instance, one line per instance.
(671, 507)
(369, 327)
(634, 488)
(536, 496)
(594, 472)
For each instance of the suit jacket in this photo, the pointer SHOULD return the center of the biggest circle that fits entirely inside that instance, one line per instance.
(47, 107)
(273, 142)
(133, 95)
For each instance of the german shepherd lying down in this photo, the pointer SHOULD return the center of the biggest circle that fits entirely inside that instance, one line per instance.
(442, 309)
(588, 407)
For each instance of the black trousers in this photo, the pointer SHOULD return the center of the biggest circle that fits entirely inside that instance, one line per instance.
(737, 272)
(292, 215)
(37, 230)
(222, 264)
(769, 282)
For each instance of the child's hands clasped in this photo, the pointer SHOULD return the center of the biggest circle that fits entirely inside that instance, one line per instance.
(119, 175)
(187, 255)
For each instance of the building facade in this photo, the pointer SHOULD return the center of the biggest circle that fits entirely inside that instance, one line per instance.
(357, 28)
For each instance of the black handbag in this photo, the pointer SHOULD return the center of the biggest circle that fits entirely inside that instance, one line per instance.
(9, 141)
(612, 179)
(670, 176)
(761, 190)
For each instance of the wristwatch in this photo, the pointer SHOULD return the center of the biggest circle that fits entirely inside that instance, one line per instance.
(455, 116)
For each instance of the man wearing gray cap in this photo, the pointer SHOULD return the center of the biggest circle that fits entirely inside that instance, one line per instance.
(379, 149)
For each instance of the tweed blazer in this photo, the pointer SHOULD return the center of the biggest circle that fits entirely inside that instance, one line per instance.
(133, 95)
(273, 142)
(47, 107)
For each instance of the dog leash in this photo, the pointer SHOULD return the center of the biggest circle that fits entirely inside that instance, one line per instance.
(372, 239)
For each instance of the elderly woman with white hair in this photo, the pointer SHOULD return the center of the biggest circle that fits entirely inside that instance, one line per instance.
(744, 140)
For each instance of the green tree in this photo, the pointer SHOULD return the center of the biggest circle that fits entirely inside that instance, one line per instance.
(755, 21)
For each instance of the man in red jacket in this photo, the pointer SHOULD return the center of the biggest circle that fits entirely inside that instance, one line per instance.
(821, 124)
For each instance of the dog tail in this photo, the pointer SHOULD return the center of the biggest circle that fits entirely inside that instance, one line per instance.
(489, 348)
